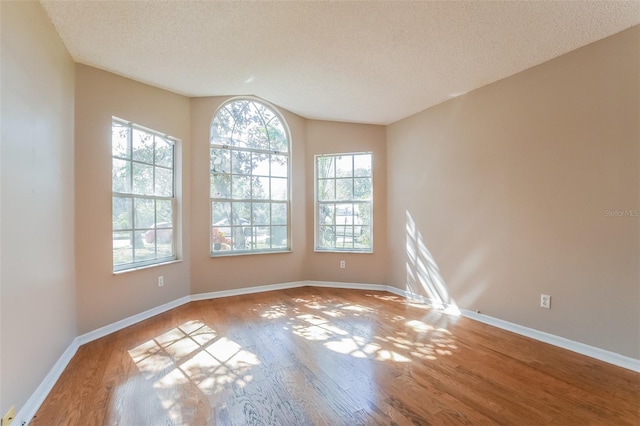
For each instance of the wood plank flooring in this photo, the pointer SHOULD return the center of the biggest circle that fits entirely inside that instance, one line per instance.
(319, 356)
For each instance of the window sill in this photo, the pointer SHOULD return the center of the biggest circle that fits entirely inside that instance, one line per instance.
(248, 253)
(140, 268)
(343, 251)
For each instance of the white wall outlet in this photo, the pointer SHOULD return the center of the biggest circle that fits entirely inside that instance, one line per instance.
(160, 281)
(545, 301)
(343, 264)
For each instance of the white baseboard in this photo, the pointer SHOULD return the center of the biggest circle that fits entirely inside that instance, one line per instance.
(409, 295)
(126, 322)
(30, 408)
(561, 342)
(284, 286)
(245, 290)
(353, 286)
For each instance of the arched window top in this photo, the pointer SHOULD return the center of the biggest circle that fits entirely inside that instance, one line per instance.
(250, 185)
(247, 123)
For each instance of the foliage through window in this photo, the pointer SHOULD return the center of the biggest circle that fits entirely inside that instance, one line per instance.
(249, 179)
(143, 209)
(344, 202)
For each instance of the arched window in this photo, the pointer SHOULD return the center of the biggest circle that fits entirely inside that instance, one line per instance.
(249, 179)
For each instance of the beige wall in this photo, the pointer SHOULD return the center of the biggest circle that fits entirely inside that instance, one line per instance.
(37, 301)
(327, 137)
(102, 297)
(233, 272)
(509, 186)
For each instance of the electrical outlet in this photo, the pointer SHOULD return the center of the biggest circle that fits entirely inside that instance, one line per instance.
(545, 301)
(8, 418)
(343, 264)
(160, 281)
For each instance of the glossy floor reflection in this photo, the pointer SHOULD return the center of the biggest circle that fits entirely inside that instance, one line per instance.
(331, 356)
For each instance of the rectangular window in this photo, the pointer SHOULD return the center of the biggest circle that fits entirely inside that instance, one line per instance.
(143, 191)
(344, 202)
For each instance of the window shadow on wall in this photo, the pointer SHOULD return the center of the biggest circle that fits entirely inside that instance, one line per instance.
(424, 280)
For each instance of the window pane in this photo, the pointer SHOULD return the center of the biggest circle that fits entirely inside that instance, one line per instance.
(165, 244)
(277, 136)
(221, 127)
(144, 213)
(149, 236)
(260, 187)
(241, 214)
(120, 140)
(344, 236)
(261, 213)
(122, 213)
(327, 237)
(279, 213)
(344, 189)
(364, 238)
(363, 213)
(220, 213)
(142, 146)
(362, 188)
(326, 189)
(160, 236)
(164, 182)
(240, 236)
(260, 164)
(261, 237)
(142, 179)
(122, 248)
(279, 189)
(164, 152)
(221, 186)
(362, 165)
(240, 132)
(241, 162)
(120, 176)
(220, 162)
(241, 189)
(164, 213)
(326, 167)
(220, 240)
(344, 214)
(256, 133)
(265, 113)
(326, 214)
(344, 166)
(142, 249)
(279, 237)
(279, 166)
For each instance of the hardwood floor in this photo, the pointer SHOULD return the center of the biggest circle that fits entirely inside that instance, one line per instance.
(331, 357)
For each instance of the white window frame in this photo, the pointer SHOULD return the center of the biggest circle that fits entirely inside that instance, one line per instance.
(133, 196)
(319, 203)
(250, 225)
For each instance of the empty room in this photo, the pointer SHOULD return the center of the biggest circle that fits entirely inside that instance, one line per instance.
(319, 213)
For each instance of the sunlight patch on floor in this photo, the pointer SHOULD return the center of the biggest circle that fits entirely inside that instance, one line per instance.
(192, 352)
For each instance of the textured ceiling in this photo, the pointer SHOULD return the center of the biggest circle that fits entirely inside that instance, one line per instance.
(370, 62)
